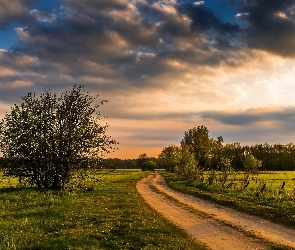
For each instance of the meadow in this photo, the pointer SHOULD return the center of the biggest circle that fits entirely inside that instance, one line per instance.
(269, 194)
(110, 215)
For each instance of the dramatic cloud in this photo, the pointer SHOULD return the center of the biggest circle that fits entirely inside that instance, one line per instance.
(271, 25)
(18, 11)
(165, 65)
(252, 117)
(204, 19)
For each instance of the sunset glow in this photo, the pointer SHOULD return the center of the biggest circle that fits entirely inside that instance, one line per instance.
(165, 66)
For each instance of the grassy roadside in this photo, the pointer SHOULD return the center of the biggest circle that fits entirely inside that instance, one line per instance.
(275, 208)
(111, 216)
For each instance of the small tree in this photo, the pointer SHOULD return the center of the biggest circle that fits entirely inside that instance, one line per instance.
(251, 164)
(149, 165)
(47, 139)
(141, 160)
(145, 163)
(226, 170)
(188, 166)
(170, 158)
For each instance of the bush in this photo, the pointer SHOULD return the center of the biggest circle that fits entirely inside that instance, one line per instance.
(48, 139)
(251, 164)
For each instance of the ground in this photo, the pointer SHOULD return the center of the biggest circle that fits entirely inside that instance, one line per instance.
(216, 226)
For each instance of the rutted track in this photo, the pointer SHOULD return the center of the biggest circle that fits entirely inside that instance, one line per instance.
(223, 228)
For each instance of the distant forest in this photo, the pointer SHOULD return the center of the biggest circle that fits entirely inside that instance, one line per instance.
(208, 153)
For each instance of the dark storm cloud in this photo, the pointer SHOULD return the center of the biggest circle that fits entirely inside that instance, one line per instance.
(170, 25)
(89, 25)
(233, 119)
(224, 44)
(251, 135)
(252, 117)
(15, 11)
(270, 25)
(88, 5)
(204, 19)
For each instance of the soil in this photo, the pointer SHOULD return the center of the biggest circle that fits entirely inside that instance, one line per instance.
(216, 226)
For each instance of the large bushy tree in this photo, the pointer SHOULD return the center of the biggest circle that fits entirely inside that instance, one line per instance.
(48, 138)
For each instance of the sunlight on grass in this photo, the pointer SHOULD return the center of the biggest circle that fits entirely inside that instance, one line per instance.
(111, 216)
(273, 202)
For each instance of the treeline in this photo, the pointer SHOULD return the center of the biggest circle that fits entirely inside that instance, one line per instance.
(274, 157)
(142, 162)
(210, 153)
(114, 163)
(197, 148)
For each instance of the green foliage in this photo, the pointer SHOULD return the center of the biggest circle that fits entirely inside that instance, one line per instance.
(111, 216)
(1, 163)
(181, 161)
(47, 139)
(141, 161)
(188, 165)
(150, 165)
(209, 152)
(198, 141)
(113, 163)
(145, 163)
(227, 171)
(170, 157)
(251, 164)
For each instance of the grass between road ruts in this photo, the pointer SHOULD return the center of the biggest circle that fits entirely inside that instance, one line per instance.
(111, 216)
(274, 207)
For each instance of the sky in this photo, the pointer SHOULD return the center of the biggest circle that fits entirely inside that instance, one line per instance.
(165, 66)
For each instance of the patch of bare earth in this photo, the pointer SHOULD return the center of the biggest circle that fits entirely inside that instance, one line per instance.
(216, 226)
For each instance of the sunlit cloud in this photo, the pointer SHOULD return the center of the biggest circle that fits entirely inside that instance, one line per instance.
(242, 15)
(43, 16)
(282, 15)
(199, 2)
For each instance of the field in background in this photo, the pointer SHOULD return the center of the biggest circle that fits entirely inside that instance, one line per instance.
(111, 216)
(270, 194)
(276, 183)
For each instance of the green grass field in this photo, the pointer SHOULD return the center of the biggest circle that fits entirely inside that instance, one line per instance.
(274, 179)
(273, 202)
(114, 216)
(111, 216)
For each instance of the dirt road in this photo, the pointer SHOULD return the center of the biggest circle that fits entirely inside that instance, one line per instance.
(216, 226)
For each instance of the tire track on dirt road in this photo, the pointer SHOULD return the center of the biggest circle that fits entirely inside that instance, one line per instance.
(210, 229)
